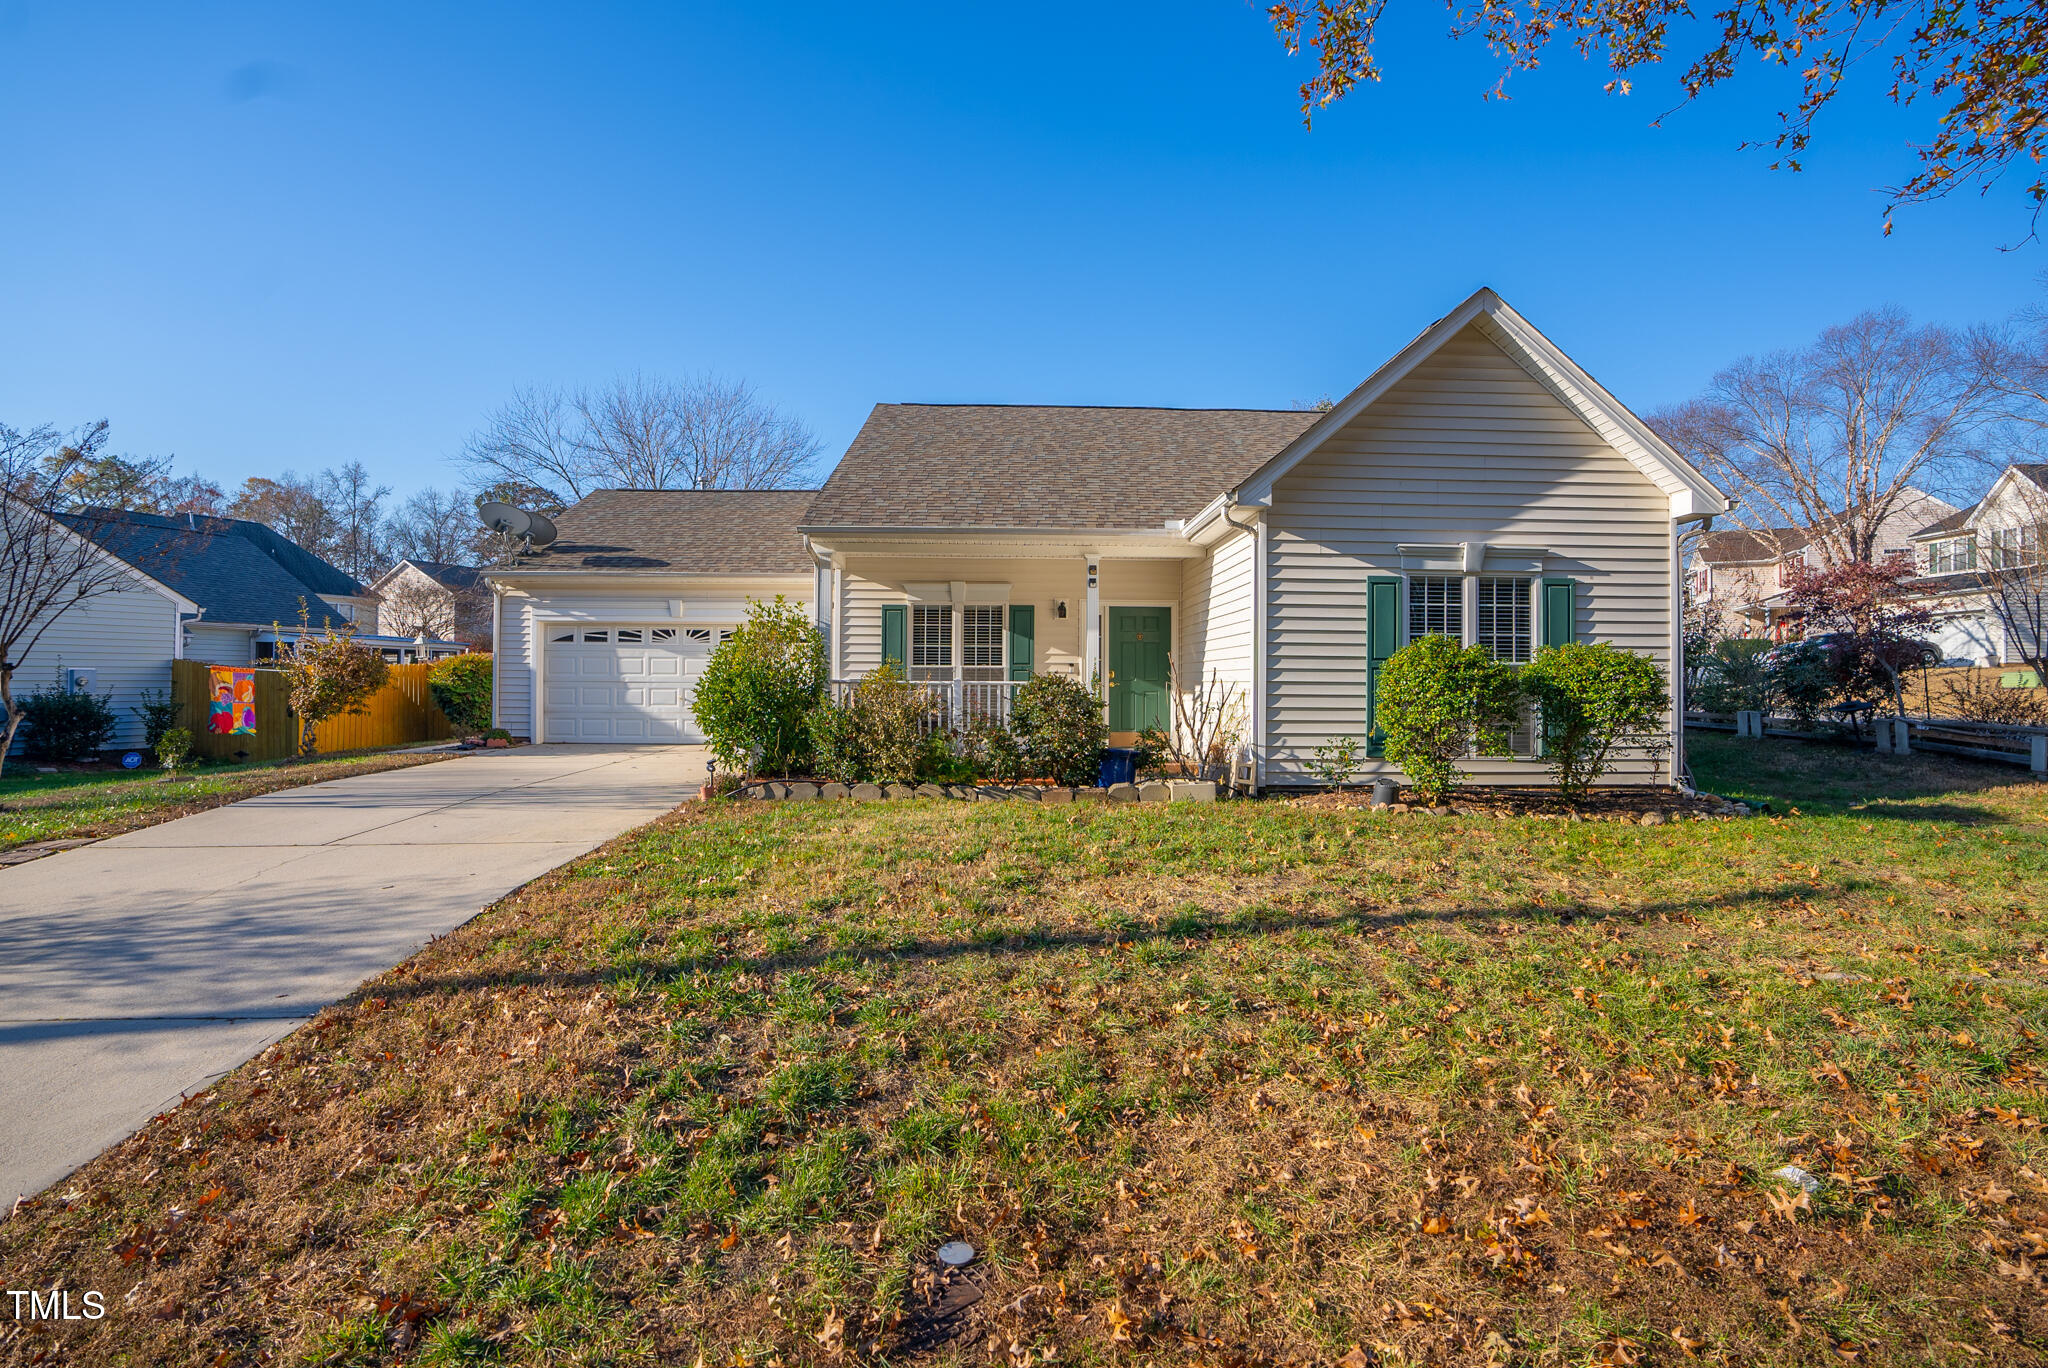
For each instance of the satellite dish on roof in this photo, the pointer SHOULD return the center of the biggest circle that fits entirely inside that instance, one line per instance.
(503, 517)
(540, 529)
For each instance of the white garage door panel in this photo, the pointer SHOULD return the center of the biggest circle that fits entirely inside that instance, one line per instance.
(600, 688)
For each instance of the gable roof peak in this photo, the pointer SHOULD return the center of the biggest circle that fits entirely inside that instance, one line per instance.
(1691, 493)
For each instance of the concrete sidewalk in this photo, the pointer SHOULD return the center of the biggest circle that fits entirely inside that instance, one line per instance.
(142, 968)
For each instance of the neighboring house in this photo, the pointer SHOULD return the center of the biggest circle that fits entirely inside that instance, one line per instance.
(220, 590)
(433, 599)
(1478, 484)
(119, 643)
(1962, 557)
(1739, 576)
(250, 584)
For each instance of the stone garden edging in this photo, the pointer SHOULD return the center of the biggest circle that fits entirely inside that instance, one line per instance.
(1157, 791)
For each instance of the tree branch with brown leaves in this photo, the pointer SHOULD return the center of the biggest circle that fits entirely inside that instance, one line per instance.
(1982, 57)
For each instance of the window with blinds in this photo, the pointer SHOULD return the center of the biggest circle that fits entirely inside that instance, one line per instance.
(1505, 621)
(931, 642)
(981, 641)
(1436, 606)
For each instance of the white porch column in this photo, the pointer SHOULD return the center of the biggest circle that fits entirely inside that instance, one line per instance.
(1091, 626)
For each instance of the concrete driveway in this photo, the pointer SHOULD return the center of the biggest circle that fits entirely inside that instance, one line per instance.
(142, 968)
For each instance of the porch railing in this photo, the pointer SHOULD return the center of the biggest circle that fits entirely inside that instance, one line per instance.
(952, 705)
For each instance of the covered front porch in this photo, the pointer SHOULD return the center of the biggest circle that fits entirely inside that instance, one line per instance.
(974, 628)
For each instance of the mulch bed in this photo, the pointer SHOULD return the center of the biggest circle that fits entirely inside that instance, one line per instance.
(1645, 806)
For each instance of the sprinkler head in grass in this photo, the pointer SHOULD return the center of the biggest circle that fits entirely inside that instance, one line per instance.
(956, 1253)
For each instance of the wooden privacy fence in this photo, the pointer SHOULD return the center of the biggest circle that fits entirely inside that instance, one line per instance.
(401, 712)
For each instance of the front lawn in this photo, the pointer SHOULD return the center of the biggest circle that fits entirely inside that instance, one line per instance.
(70, 802)
(1244, 1084)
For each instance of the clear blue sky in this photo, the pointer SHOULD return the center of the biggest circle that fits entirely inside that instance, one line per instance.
(262, 237)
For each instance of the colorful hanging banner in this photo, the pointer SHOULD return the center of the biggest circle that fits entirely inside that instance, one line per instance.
(233, 708)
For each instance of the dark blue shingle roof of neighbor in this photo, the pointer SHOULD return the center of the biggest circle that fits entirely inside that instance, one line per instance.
(237, 571)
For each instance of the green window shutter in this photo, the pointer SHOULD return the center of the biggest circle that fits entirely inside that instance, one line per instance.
(1383, 638)
(895, 633)
(1560, 628)
(1560, 612)
(1022, 619)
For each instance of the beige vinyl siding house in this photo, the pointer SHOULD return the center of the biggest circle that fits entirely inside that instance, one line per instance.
(1467, 448)
(119, 643)
(1479, 483)
(1217, 633)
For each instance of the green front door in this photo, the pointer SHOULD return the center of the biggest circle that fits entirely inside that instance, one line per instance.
(1139, 639)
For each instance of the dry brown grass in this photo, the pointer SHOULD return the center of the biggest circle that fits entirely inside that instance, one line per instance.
(1251, 1084)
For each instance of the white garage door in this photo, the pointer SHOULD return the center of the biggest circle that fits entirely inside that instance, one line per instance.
(624, 684)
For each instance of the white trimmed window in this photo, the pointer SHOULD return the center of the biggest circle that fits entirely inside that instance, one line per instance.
(981, 641)
(2014, 547)
(931, 641)
(1946, 557)
(957, 643)
(1436, 606)
(1504, 621)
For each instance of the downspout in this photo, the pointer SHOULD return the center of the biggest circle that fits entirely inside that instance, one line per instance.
(1258, 686)
(1681, 770)
(825, 604)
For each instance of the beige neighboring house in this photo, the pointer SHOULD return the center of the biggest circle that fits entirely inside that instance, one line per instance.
(1739, 575)
(1478, 484)
(1975, 557)
(450, 605)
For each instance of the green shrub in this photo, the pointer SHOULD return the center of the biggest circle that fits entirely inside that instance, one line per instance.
(1154, 750)
(1805, 677)
(461, 687)
(66, 725)
(945, 763)
(173, 749)
(876, 736)
(835, 747)
(1734, 678)
(1059, 724)
(158, 713)
(1439, 702)
(759, 688)
(1592, 697)
(995, 750)
(1336, 761)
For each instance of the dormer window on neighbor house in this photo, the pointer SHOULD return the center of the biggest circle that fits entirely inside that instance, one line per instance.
(1947, 557)
(1791, 568)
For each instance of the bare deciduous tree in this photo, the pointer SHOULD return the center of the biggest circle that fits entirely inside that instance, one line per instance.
(50, 560)
(1835, 438)
(641, 432)
(289, 505)
(356, 505)
(432, 525)
(412, 609)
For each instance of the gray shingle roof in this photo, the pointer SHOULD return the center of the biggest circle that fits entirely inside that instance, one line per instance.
(994, 465)
(458, 578)
(1954, 522)
(1742, 546)
(680, 531)
(237, 571)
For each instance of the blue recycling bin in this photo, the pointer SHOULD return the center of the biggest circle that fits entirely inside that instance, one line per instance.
(1119, 766)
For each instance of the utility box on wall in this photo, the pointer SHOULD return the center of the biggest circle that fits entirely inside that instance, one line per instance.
(80, 679)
